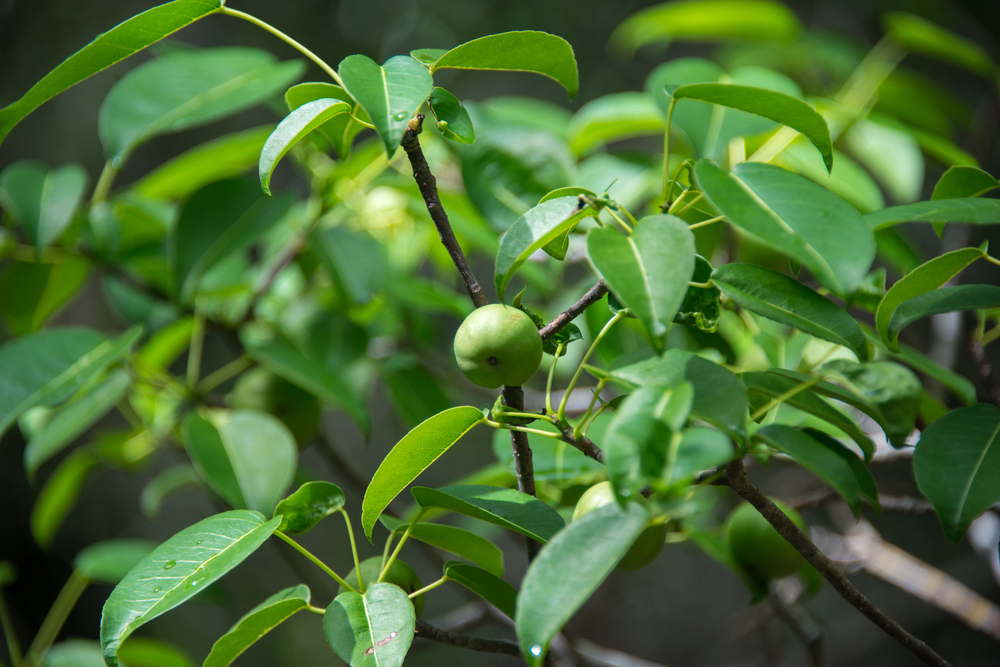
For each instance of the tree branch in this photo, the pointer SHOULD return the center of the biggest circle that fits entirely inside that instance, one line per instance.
(985, 369)
(513, 397)
(428, 189)
(742, 486)
(592, 296)
(584, 444)
(481, 644)
(802, 625)
(896, 504)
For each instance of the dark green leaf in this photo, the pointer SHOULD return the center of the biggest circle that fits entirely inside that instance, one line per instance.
(58, 497)
(486, 585)
(32, 292)
(636, 442)
(371, 630)
(504, 507)
(43, 202)
(943, 300)
(256, 623)
(919, 35)
(357, 263)
(416, 393)
(452, 119)
(179, 569)
(454, 540)
(311, 503)
(613, 118)
(109, 561)
(964, 181)
(291, 130)
(892, 388)
(920, 362)
(974, 211)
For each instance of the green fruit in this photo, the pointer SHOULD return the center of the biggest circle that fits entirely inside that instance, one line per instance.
(647, 546)
(399, 574)
(758, 547)
(498, 345)
(300, 411)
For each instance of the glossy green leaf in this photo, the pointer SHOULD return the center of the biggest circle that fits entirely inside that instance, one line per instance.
(707, 20)
(635, 444)
(45, 368)
(280, 356)
(957, 465)
(32, 292)
(186, 89)
(291, 130)
(226, 157)
(340, 129)
(786, 300)
(149, 652)
(889, 151)
(719, 397)
(533, 230)
(165, 484)
(700, 448)
(847, 180)
(59, 495)
(964, 181)
(116, 44)
(452, 119)
(70, 421)
(774, 386)
(507, 508)
(411, 456)
(519, 51)
(974, 211)
(943, 300)
(485, 584)
(891, 389)
(795, 216)
(825, 458)
(371, 630)
(43, 202)
(613, 118)
(919, 35)
(769, 104)
(247, 457)
(648, 271)
(428, 56)
(568, 571)
(109, 561)
(179, 569)
(454, 540)
(389, 94)
(311, 503)
(960, 386)
(256, 623)
(925, 278)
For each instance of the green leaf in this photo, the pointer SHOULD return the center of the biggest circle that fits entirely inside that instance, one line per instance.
(637, 439)
(166, 345)
(428, 56)
(411, 456)
(925, 278)
(186, 89)
(700, 448)
(32, 292)
(341, 129)
(613, 118)
(371, 630)
(647, 271)
(43, 202)
(847, 180)
(974, 211)
(769, 104)
(256, 623)
(45, 368)
(58, 497)
(358, 264)
(247, 457)
(110, 47)
(179, 569)
(70, 421)
(416, 393)
(943, 300)
(825, 458)
(957, 465)
(707, 20)
(774, 385)
(795, 216)
(786, 300)
(291, 130)
(452, 119)
(109, 561)
(533, 230)
(75, 653)
(957, 384)
(891, 389)
(568, 571)
(486, 585)
(147, 652)
(218, 220)
(518, 51)
(454, 540)
(857, 396)
(164, 485)
(389, 94)
(226, 157)
(919, 35)
(311, 503)
(964, 181)
(701, 307)
(889, 151)
(507, 508)
(280, 356)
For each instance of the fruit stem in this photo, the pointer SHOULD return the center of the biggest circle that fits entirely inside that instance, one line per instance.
(399, 547)
(354, 548)
(579, 369)
(429, 587)
(323, 566)
(590, 408)
(552, 372)
(215, 378)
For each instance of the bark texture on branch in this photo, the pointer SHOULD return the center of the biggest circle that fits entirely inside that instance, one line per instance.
(592, 296)
(481, 644)
(513, 398)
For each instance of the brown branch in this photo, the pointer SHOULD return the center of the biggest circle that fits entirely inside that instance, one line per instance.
(481, 644)
(584, 444)
(985, 369)
(592, 296)
(513, 397)
(804, 627)
(798, 539)
(428, 188)
(895, 504)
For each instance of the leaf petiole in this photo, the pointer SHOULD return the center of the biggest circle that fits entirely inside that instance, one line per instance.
(354, 547)
(429, 587)
(579, 369)
(399, 547)
(323, 566)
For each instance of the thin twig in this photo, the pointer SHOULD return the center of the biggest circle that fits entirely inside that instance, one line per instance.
(895, 504)
(513, 397)
(583, 443)
(798, 539)
(592, 296)
(804, 627)
(985, 368)
(481, 644)
(428, 189)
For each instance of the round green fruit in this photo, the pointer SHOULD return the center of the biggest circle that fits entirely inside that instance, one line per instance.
(647, 546)
(758, 547)
(498, 345)
(399, 574)
(300, 411)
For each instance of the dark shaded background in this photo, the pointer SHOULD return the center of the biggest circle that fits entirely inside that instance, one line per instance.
(683, 610)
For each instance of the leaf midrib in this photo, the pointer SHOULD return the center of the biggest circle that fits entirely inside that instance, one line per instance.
(975, 470)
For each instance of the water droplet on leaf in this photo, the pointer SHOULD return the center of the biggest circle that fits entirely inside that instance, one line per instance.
(536, 650)
(170, 565)
(400, 116)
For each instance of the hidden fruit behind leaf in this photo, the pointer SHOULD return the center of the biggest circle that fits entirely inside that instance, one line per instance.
(758, 547)
(498, 345)
(647, 546)
(400, 574)
(300, 411)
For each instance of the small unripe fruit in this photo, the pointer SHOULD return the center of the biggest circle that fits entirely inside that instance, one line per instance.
(758, 547)
(498, 345)
(400, 574)
(300, 411)
(647, 546)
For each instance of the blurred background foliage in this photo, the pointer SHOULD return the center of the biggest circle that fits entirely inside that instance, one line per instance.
(683, 610)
